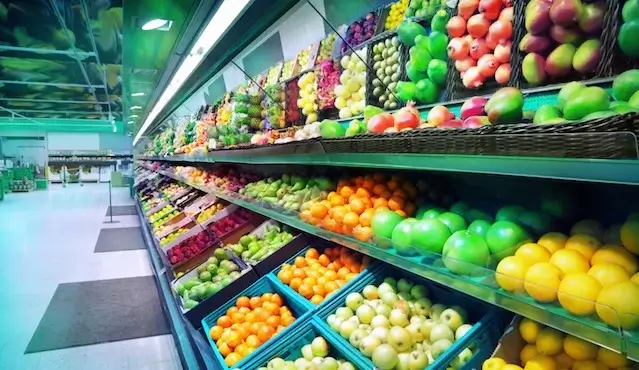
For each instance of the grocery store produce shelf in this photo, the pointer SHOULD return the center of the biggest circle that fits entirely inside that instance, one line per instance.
(479, 286)
(615, 171)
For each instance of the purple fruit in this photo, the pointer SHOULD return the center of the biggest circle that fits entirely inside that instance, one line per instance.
(534, 69)
(534, 44)
(538, 16)
(565, 12)
(564, 35)
(587, 56)
(591, 17)
(559, 62)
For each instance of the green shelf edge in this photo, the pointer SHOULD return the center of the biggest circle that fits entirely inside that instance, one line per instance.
(603, 336)
(614, 171)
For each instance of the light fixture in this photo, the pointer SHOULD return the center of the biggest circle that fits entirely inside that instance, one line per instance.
(133, 116)
(138, 94)
(222, 20)
(136, 107)
(130, 122)
(155, 24)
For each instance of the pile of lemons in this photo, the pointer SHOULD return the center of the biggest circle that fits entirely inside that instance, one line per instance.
(396, 15)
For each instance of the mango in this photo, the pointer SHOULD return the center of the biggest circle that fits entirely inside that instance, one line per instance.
(565, 12)
(534, 44)
(591, 18)
(505, 106)
(438, 23)
(437, 45)
(533, 68)
(565, 35)
(408, 30)
(546, 113)
(427, 92)
(621, 107)
(630, 11)
(625, 85)
(587, 56)
(586, 101)
(566, 93)
(414, 74)
(601, 114)
(633, 102)
(559, 62)
(537, 19)
(628, 40)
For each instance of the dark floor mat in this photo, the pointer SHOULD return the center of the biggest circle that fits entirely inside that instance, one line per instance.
(122, 211)
(100, 311)
(119, 239)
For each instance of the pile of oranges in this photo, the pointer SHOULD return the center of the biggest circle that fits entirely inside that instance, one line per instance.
(349, 209)
(316, 276)
(248, 324)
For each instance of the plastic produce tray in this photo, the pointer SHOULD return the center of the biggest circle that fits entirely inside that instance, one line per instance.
(197, 313)
(290, 348)
(320, 245)
(301, 310)
(483, 336)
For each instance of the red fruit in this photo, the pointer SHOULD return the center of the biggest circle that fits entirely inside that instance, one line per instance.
(438, 115)
(453, 123)
(491, 41)
(501, 31)
(407, 117)
(490, 6)
(464, 64)
(380, 122)
(458, 48)
(507, 15)
(456, 26)
(469, 39)
(477, 25)
(476, 121)
(473, 78)
(390, 130)
(502, 75)
(466, 8)
(478, 48)
(473, 107)
(487, 65)
(502, 52)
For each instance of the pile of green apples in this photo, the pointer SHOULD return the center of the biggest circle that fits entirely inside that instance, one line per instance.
(253, 248)
(397, 326)
(162, 215)
(291, 192)
(313, 356)
(171, 237)
(212, 276)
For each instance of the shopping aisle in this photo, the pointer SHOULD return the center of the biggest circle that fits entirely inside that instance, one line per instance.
(63, 284)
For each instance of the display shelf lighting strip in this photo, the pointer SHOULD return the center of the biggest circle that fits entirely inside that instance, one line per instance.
(222, 20)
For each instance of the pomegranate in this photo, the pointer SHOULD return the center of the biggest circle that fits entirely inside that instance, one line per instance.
(458, 48)
(478, 48)
(502, 52)
(473, 78)
(465, 64)
(456, 26)
(502, 75)
(438, 115)
(466, 8)
(507, 15)
(478, 25)
(407, 117)
(501, 31)
(490, 6)
(380, 122)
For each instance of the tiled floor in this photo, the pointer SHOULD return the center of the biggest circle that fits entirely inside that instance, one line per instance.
(47, 238)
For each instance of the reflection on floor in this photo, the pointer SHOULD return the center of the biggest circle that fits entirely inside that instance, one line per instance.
(48, 238)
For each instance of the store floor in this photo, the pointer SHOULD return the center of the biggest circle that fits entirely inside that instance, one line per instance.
(48, 248)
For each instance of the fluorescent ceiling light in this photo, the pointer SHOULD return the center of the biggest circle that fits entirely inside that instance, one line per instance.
(222, 20)
(136, 107)
(138, 94)
(154, 24)
(133, 116)
(130, 122)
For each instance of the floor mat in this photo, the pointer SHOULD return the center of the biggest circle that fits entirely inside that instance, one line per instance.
(100, 311)
(122, 211)
(119, 239)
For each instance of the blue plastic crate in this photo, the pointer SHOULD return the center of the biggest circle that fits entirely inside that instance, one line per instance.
(301, 309)
(483, 337)
(346, 288)
(290, 348)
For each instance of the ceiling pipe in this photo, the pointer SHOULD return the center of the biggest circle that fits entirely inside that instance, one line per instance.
(54, 84)
(55, 101)
(82, 54)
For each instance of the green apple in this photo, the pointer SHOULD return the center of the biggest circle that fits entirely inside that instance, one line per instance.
(432, 213)
(454, 221)
(429, 236)
(504, 237)
(479, 227)
(401, 237)
(509, 213)
(460, 208)
(464, 251)
(383, 224)
(475, 214)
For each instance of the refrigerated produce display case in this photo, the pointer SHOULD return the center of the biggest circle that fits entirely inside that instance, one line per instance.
(421, 185)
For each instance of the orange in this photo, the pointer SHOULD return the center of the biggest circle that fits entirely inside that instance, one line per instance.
(241, 349)
(338, 214)
(232, 359)
(635, 278)
(411, 190)
(274, 321)
(337, 200)
(368, 184)
(396, 203)
(285, 276)
(288, 320)
(350, 276)
(306, 291)
(331, 286)
(250, 317)
(265, 333)
(244, 310)
(237, 317)
(216, 332)
(224, 349)
(330, 275)
(324, 260)
(392, 185)
(253, 341)
(578, 293)
(533, 253)
(255, 327)
(261, 314)
(358, 206)
(306, 216)
(295, 283)
(299, 273)
(387, 195)
(611, 359)
(329, 224)
(383, 208)
(380, 189)
(243, 332)
(351, 219)
(224, 321)
(359, 180)
(346, 192)
(312, 253)
(300, 262)
(584, 244)
(255, 302)
(318, 210)
(309, 281)
(317, 299)
(541, 282)
(242, 302)
(277, 299)
(363, 193)
(510, 273)
(319, 290)
(553, 241)
(233, 339)
(617, 255)
(363, 233)
(366, 217)
(608, 273)
(232, 310)
(569, 261)
(379, 177)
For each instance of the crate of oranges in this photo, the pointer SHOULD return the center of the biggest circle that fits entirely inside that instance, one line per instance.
(252, 321)
(320, 271)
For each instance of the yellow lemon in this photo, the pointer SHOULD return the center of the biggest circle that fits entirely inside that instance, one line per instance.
(585, 244)
(511, 367)
(510, 274)
(564, 361)
(618, 305)
(578, 293)
(589, 365)
(630, 235)
(533, 253)
(553, 241)
(608, 273)
(529, 329)
(495, 363)
(579, 349)
(569, 261)
(635, 278)
(611, 359)
(527, 353)
(588, 227)
(618, 255)
(550, 342)
(541, 363)
(542, 281)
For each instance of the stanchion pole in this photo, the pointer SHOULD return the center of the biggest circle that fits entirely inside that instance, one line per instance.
(110, 208)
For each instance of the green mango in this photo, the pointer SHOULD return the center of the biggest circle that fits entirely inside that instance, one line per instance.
(422, 42)
(438, 44)
(408, 30)
(586, 101)
(633, 102)
(567, 91)
(370, 111)
(630, 11)
(621, 107)
(406, 90)
(414, 74)
(545, 113)
(427, 91)
(439, 21)
(602, 114)
(420, 58)
(505, 106)
(628, 40)
(437, 70)
(331, 129)
(625, 85)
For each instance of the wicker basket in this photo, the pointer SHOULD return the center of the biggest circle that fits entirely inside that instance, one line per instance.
(619, 62)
